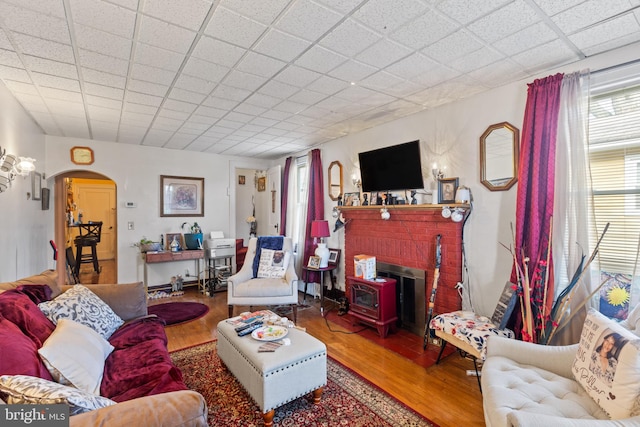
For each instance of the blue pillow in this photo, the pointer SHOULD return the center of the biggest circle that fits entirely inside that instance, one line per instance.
(265, 242)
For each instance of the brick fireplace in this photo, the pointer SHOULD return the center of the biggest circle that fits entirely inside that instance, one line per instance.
(408, 239)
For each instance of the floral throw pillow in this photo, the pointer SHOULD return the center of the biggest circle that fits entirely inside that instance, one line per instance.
(24, 389)
(607, 365)
(273, 263)
(83, 306)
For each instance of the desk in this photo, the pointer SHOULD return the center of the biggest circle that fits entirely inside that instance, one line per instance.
(157, 257)
(308, 269)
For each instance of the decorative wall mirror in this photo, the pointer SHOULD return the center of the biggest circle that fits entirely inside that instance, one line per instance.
(499, 146)
(335, 180)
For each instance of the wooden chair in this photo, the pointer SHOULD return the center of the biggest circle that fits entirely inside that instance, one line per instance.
(89, 236)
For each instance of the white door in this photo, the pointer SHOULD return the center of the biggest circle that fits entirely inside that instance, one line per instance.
(98, 203)
(274, 183)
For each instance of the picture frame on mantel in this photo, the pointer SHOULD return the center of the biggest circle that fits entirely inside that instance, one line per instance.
(181, 196)
(447, 190)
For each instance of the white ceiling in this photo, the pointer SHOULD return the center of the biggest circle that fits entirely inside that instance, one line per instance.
(267, 78)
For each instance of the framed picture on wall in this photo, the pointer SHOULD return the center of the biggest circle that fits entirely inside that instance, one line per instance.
(262, 183)
(36, 185)
(181, 196)
(334, 256)
(447, 190)
(241, 179)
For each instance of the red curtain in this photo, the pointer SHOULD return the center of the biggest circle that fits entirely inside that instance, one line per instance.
(536, 174)
(284, 196)
(315, 206)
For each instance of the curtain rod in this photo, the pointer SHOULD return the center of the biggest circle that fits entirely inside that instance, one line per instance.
(612, 67)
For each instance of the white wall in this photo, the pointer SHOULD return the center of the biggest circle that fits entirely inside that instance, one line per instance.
(450, 135)
(136, 171)
(24, 237)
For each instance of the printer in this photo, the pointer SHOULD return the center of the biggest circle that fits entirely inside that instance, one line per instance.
(216, 246)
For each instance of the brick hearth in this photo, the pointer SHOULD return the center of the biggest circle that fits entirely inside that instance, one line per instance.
(408, 238)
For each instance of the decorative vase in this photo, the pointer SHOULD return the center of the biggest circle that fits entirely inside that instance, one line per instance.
(323, 252)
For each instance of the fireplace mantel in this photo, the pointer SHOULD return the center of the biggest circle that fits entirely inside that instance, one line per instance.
(408, 239)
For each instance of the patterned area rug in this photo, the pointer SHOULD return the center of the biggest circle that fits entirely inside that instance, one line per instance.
(348, 399)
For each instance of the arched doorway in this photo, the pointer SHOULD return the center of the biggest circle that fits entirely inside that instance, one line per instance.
(60, 216)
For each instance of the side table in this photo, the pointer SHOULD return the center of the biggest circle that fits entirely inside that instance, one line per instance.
(322, 270)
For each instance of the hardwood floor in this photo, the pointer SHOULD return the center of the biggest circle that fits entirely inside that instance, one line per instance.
(443, 393)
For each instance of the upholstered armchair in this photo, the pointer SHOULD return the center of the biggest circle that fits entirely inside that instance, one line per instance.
(246, 288)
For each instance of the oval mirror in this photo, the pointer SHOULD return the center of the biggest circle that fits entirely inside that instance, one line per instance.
(499, 156)
(335, 180)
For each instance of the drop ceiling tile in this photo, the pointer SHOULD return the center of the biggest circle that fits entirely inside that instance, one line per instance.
(231, 27)
(16, 74)
(136, 119)
(55, 82)
(307, 97)
(217, 102)
(47, 66)
(297, 76)
(263, 121)
(205, 70)
(194, 84)
(185, 107)
(103, 114)
(109, 64)
(139, 108)
(104, 91)
(460, 11)
(165, 35)
(308, 20)
(99, 41)
(495, 74)
(209, 121)
(352, 71)
(548, 55)
(281, 45)
(217, 51)
(611, 44)
(250, 109)
(167, 124)
(230, 93)
(186, 13)
(10, 59)
(63, 95)
(239, 117)
(263, 11)
(63, 108)
(28, 99)
(275, 132)
(260, 65)
(320, 60)
(426, 29)
(625, 25)
(50, 7)
(453, 46)
(147, 87)
(35, 24)
(152, 74)
(350, 38)
(475, 60)
(173, 114)
(179, 141)
(103, 133)
(383, 53)
(141, 98)
(552, 7)
(100, 101)
(588, 13)
(381, 81)
(505, 21)
(21, 87)
(262, 100)
(75, 128)
(328, 85)
(105, 79)
(384, 16)
(104, 16)
(4, 41)
(44, 48)
(187, 96)
(229, 124)
(210, 112)
(525, 39)
(156, 139)
(290, 107)
(158, 57)
(278, 90)
(246, 81)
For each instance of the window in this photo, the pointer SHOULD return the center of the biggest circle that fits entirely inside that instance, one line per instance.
(614, 154)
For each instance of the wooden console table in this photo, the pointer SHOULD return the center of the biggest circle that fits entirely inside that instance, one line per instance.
(158, 257)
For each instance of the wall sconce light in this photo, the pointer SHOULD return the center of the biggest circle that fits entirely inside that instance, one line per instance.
(355, 180)
(25, 166)
(13, 166)
(8, 162)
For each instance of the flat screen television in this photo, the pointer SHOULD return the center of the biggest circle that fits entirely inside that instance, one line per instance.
(396, 167)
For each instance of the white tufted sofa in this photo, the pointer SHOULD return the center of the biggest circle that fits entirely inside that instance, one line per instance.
(532, 385)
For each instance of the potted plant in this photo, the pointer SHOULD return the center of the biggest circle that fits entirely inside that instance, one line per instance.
(146, 245)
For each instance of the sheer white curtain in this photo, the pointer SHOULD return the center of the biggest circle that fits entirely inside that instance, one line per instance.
(573, 208)
(297, 207)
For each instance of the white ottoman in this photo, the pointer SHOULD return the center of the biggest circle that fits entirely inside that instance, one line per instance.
(274, 378)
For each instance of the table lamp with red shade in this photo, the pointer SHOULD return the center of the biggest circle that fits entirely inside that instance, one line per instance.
(320, 228)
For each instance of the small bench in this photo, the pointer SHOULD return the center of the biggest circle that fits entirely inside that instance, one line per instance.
(274, 378)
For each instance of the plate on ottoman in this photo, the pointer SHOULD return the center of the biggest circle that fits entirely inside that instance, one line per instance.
(270, 333)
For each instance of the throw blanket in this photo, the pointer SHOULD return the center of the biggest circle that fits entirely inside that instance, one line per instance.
(265, 242)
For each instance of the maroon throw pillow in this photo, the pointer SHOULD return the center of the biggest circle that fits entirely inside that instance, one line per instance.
(36, 293)
(19, 309)
(19, 354)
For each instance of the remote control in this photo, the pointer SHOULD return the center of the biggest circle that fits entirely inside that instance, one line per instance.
(249, 329)
(248, 325)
